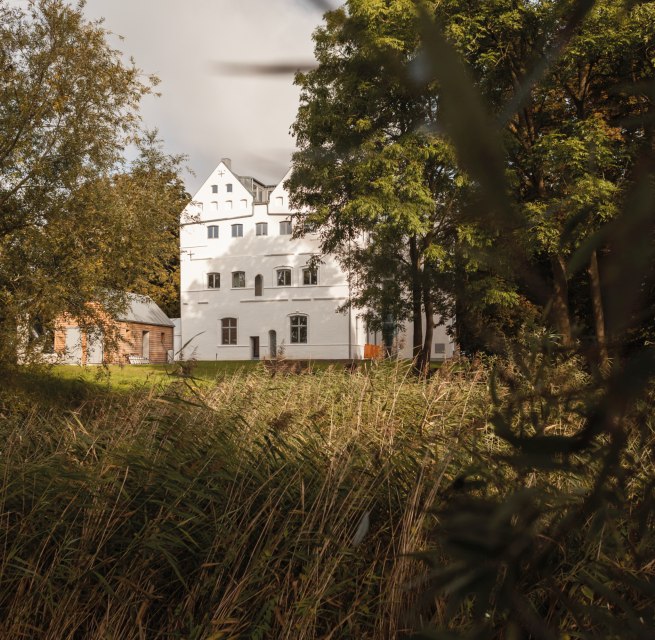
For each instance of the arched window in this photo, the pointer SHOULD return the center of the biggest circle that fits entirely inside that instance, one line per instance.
(298, 329)
(228, 331)
(283, 277)
(212, 231)
(259, 285)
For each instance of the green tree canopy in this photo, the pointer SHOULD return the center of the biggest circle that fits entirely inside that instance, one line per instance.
(78, 223)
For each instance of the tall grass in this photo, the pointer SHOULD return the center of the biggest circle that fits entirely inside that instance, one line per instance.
(283, 506)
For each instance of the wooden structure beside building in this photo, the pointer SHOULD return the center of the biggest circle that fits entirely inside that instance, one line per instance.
(144, 336)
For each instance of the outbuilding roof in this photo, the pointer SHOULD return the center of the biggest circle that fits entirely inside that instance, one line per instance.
(143, 310)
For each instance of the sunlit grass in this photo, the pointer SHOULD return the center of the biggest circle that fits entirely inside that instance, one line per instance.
(260, 506)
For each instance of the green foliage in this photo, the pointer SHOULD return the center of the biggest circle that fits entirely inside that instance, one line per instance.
(78, 224)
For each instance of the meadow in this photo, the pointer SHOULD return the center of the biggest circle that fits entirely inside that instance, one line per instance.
(263, 504)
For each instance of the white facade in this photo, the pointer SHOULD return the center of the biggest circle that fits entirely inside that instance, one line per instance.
(248, 292)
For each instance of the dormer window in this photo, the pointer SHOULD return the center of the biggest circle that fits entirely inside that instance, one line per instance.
(212, 231)
(228, 187)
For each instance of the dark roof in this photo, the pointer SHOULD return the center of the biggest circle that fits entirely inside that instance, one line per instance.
(143, 310)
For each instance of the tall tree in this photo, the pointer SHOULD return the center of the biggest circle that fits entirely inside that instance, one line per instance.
(77, 223)
(569, 82)
(368, 167)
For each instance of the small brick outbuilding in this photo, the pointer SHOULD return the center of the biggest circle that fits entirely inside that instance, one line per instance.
(144, 332)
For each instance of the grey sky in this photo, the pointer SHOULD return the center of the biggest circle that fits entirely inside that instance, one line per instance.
(201, 113)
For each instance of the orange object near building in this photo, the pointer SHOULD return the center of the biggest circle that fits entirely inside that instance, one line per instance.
(372, 351)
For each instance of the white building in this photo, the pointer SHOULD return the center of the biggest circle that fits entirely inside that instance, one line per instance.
(247, 288)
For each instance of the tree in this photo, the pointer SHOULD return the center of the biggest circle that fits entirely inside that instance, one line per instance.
(368, 167)
(568, 81)
(78, 224)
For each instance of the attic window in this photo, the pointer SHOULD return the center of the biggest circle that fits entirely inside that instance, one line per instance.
(214, 188)
(228, 187)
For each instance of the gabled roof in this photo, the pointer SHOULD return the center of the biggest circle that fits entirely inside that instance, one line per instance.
(143, 310)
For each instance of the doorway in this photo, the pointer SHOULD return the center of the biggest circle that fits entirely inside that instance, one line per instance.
(254, 347)
(94, 348)
(73, 345)
(145, 345)
(272, 343)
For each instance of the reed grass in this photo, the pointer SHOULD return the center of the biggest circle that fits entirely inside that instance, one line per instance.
(261, 506)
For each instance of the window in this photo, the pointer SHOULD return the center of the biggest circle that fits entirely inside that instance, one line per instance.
(214, 188)
(229, 331)
(283, 277)
(298, 329)
(212, 231)
(309, 226)
(243, 204)
(238, 279)
(285, 228)
(228, 187)
(237, 230)
(262, 228)
(279, 201)
(228, 204)
(440, 350)
(259, 285)
(213, 280)
(309, 276)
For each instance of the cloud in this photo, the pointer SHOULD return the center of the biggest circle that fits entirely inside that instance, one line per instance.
(202, 113)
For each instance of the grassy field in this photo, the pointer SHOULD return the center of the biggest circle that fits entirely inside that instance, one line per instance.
(260, 504)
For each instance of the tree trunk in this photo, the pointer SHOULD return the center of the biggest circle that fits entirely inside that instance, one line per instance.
(560, 306)
(423, 363)
(417, 290)
(599, 316)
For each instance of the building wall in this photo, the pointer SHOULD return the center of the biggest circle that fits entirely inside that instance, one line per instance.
(130, 342)
(332, 334)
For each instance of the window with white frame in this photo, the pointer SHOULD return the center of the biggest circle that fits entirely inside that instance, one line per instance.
(309, 276)
(228, 331)
(238, 279)
(237, 230)
(285, 228)
(298, 329)
(261, 228)
(283, 277)
(213, 280)
(212, 231)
